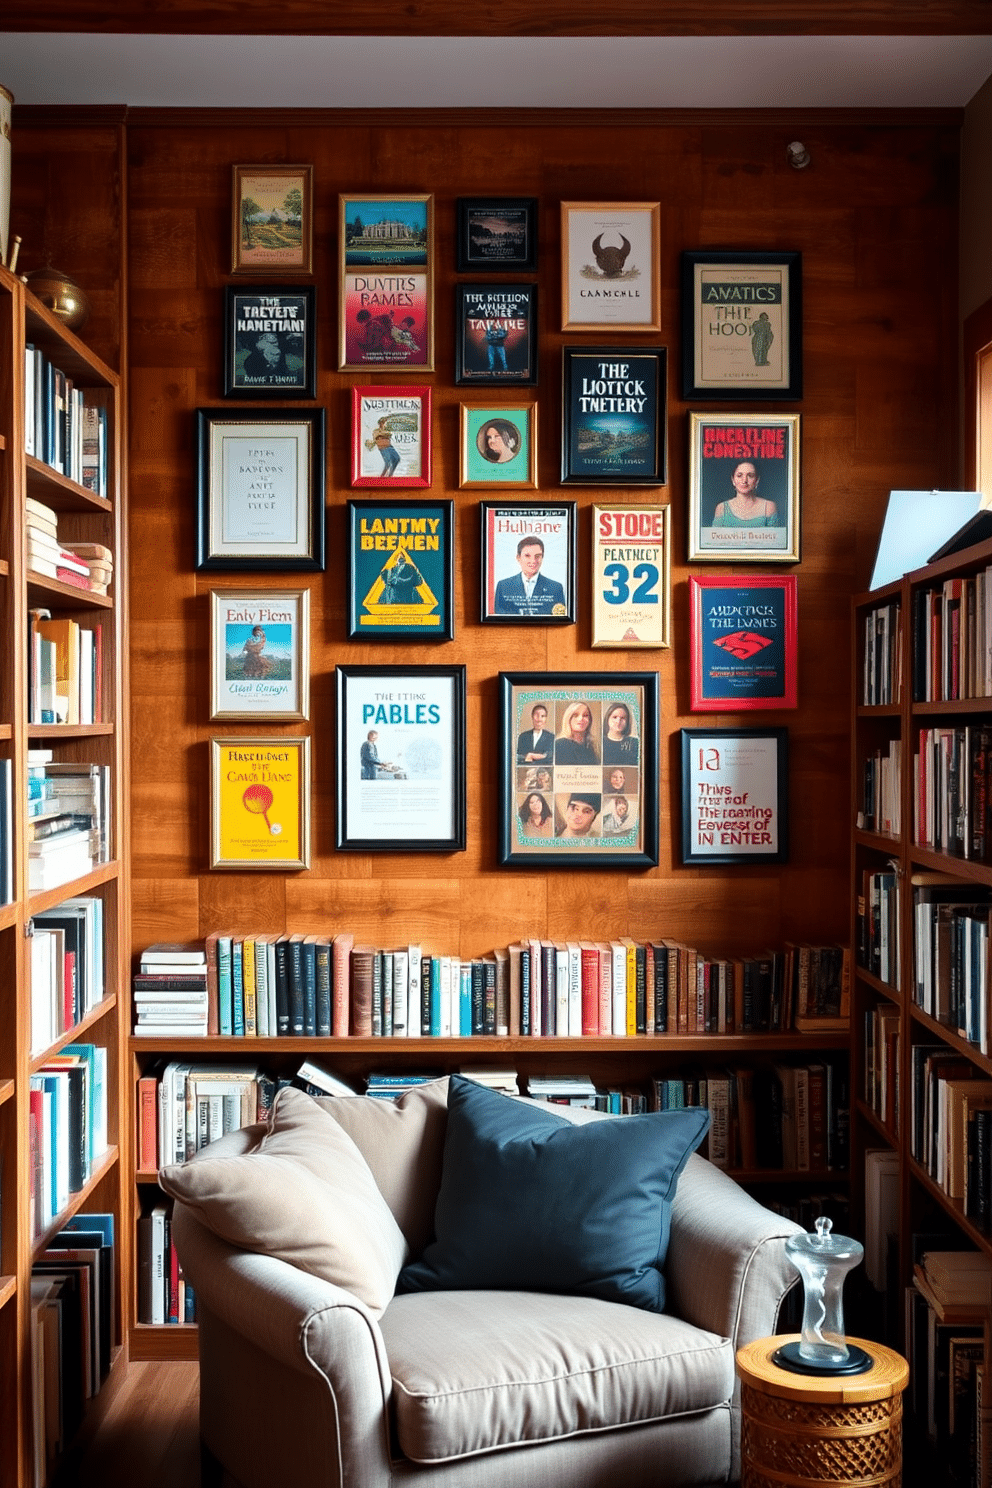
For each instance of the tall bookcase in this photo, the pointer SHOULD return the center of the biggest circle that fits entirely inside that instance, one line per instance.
(82, 517)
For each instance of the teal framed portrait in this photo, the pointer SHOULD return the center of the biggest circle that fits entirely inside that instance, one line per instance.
(498, 447)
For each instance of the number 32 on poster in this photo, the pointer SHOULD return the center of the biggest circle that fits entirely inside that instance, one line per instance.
(631, 567)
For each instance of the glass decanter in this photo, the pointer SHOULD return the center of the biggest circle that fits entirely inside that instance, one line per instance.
(823, 1261)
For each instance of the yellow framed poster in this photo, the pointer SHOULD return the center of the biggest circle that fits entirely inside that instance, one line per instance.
(259, 803)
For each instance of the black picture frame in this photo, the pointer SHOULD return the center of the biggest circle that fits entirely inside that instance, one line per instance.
(734, 793)
(504, 529)
(497, 234)
(412, 798)
(260, 321)
(281, 451)
(578, 771)
(614, 415)
(415, 603)
(496, 334)
(724, 291)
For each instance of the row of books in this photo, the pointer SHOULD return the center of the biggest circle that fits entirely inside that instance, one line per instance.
(67, 968)
(952, 640)
(881, 1056)
(877, 923)
(65, 670)
(72, 1331)
(327, 986)
(84, 565)
(164, 1295)
(68, 819)
(63, 426)
(882, 663)
(67, 1128)
(881, 786)
(952, 807)
(951, 954)
(946, 1326)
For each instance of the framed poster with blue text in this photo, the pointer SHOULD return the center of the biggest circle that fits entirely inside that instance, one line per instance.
(578, 769)
(528, 563)
(401, 758)
(391, 436)
(496, 334)
(735, 796)
(743, 643)
(742, 325)
(610, 266)
(498, 445)
(387, 282)
(260, 803)
(497, 232)
(744, 487)
(631, 576)
(613, 415)
(260, 653)
(401, 570)
(270, 341)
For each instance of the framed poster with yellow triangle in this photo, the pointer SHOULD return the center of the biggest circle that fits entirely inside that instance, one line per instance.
(401, 570)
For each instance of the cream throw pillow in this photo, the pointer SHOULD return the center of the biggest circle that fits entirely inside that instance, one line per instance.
(306, 1195)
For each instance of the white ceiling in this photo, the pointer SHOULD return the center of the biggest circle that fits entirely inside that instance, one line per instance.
(495, 72)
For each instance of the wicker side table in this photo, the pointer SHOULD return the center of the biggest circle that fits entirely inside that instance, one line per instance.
(800, 1429)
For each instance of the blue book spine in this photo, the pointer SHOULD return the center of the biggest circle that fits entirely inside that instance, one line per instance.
(465, 1000)
(435, 997)
(225, 1021)
(237, 989)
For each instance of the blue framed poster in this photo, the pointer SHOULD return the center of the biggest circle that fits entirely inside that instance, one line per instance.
(613, 415)
(401, 570)
(743, 643)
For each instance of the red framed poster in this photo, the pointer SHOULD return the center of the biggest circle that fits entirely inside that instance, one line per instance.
(743, 643)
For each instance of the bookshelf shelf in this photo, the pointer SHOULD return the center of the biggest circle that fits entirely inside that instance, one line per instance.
(96, 1015)
(873, 1119)
(57, 731)
(7, 1090)
(42, 591)
(105, 1165)
(105, 873)
(174, 1341)
(8, 1289)
(421, 1050)
(58, 491)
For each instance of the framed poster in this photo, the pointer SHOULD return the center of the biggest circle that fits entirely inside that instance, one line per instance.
(735, 796)
(614, 419)
(528, 563)
(578, 769)
(498, 446)
(496, 334)
(631, 576)
(742, 325)
(270, 341)
(497, 232)
(387, 283)
(401, 758)
(391, 436)
(610, 266)
(260, 653)
(260, 490)
(401, 580)
(743, 643)
(744, 487)
(272, 219)
(260, 803)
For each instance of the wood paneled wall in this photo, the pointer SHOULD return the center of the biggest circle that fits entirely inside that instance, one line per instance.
(875, 218)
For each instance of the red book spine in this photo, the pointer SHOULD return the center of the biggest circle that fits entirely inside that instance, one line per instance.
(590, 990)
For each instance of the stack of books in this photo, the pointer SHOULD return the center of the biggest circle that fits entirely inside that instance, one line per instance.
(99, 560)
(68, 812)
(46, 554)
(562, 1090)
(170, 992)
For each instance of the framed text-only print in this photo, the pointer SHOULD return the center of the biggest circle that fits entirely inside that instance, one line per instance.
(272, 219)
(743, 643)
(496, 334)
(260, 653)
(260, 803)
(744, 487)
(401, 573)
(610, 266)
(578, 769)
(401, 758)
(528, 562)
(631, 576)
(387, 282)
(613, 415)
(260, 489)
(270, 341)
(497, 232)
(742, 325)
(391, 436)
(735, 796)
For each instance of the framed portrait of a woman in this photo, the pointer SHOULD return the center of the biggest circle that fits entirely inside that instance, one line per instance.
(579, 769)
(498, 446)
(744, 488)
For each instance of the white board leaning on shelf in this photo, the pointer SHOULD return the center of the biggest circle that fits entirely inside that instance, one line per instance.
(916, 524)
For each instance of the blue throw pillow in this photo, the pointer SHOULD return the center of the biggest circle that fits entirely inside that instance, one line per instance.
(532, 1202)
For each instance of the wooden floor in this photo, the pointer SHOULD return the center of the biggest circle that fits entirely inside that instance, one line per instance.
(149, 1435)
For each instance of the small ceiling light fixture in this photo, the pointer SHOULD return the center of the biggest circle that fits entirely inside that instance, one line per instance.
(797, 155)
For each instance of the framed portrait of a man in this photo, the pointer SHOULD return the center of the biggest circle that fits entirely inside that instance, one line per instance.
(528, 563)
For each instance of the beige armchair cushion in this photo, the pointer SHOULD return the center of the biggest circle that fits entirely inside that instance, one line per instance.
(478, 1371)
(306, 1195)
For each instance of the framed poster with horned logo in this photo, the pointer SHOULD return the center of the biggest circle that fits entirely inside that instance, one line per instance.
(610, 266)
(743, 643)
